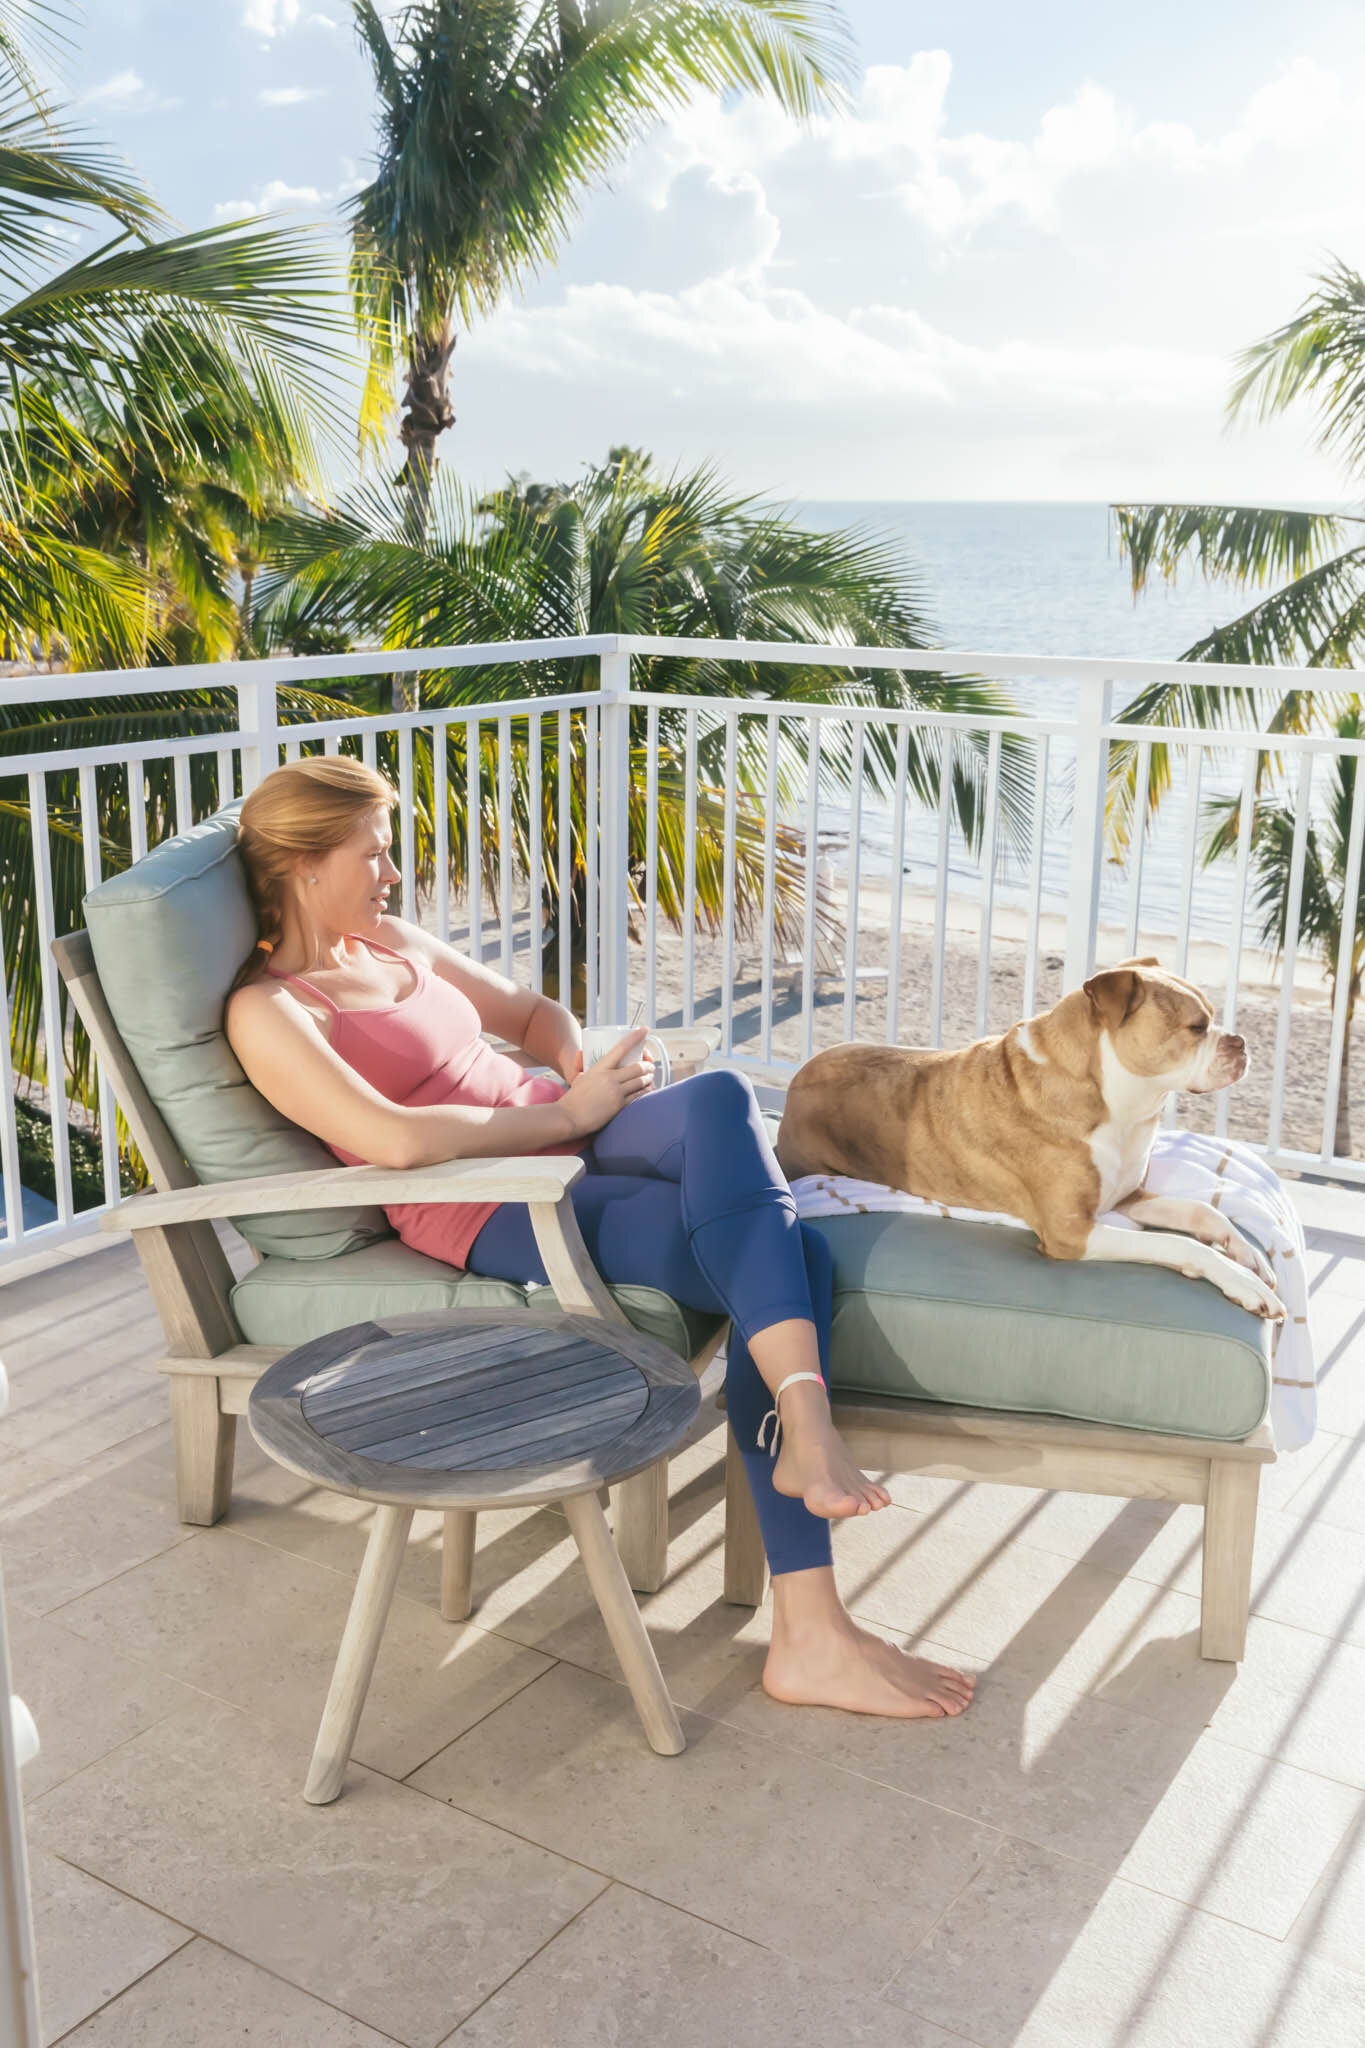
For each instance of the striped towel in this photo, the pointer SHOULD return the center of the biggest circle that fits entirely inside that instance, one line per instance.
(1230, 1177)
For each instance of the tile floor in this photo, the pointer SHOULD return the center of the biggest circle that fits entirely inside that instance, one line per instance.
(1119, 1844)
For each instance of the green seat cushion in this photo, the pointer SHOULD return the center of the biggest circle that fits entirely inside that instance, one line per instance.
(288, 1301)
(973, 1314)
(169, 935)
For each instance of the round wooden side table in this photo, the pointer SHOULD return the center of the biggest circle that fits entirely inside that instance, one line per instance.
(467, 1409)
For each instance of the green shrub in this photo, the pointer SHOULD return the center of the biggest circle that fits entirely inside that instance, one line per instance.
(38, 1172)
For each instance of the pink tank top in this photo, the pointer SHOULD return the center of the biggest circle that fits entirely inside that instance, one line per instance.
(423, 1049)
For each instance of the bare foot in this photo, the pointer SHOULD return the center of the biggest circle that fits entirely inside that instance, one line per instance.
(849, 1667)
(813, 1466)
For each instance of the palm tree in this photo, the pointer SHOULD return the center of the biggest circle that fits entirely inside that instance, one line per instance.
(495, 116)
(185, 511)
(626, 550)
(158, 395)
(1322, 906)
(1312, 564)
(135, 354)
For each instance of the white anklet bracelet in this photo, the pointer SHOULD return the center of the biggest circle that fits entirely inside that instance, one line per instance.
(772, 1414)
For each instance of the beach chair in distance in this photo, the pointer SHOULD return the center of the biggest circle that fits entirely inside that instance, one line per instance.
(829, 957)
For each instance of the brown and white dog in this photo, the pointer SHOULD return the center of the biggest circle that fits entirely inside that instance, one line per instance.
(1052, 1123)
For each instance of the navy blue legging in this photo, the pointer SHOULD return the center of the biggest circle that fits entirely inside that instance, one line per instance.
(683, 1193)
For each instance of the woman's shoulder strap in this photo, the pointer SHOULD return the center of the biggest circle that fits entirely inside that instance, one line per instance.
(412, 960)
(299, 982)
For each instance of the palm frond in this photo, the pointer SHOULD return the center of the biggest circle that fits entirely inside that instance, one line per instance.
(374, 40)
(53, 587)
(494, 121)
(1314, 622)
(23, 23)
(624, 550)
(44, 190)
(241, 272)
(150, 361)
(1320, 354)
(1317, 621)
(1238, 544)
(803, 52)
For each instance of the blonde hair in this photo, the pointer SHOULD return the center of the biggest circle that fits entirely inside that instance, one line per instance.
(310, 806)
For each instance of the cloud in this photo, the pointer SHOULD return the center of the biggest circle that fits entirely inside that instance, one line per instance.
(289, 95)
(272, 198)
(739, 138)
(271, 18)
(125, 93)
(875, 400)
(782, 349)
(954, 183)
(277, 194)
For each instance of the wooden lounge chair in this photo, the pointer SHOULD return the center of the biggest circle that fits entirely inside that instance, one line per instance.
(186, 901)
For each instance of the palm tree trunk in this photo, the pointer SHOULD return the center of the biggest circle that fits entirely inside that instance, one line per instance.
(1342, 1140)
(427, 412)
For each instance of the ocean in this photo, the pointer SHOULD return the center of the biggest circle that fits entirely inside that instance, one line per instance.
(1045, 579)
(1034, 579)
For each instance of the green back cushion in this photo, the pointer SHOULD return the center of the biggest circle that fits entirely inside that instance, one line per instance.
(168, 935)
(284, 1302)
(973, 1314)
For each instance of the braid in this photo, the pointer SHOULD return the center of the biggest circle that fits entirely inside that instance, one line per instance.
(267, 896)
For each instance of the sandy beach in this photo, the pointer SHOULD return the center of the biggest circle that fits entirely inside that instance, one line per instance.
(1257, 1018)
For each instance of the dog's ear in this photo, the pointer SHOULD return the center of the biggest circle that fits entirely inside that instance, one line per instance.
(1114, 995)
(1148, 960)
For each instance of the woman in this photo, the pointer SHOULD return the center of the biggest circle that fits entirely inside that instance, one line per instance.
(366, 1031)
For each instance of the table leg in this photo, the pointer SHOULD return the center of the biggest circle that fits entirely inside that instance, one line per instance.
(359, 1648)
(640, 1524)
(457, 1563)
(607, 1577)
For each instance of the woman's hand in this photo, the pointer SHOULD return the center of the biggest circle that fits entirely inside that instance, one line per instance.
(591, 1100)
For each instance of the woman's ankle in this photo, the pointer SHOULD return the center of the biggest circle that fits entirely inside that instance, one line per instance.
(806, 1602)
(804, 1409)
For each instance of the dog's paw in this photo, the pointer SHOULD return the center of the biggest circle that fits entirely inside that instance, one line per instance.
(1246, 1288)
(1243, 1253)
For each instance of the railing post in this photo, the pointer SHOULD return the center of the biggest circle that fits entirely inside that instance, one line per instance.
(1087, 831)
(258, 713)
(19, 2026)
(613, 879)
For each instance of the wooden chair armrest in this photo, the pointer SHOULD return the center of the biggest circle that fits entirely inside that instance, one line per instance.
(537, 1180)
(542, 1183)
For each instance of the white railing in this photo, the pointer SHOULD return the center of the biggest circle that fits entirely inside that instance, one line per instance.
(960, 936)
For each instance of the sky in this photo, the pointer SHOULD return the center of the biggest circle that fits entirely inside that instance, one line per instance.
(1019, 266)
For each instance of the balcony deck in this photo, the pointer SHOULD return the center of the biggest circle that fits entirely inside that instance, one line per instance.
(1119, 1844)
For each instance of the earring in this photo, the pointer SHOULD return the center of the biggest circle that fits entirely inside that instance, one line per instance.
(312, 881)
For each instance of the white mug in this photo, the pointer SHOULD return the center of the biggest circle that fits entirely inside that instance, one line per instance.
(599, 1039)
